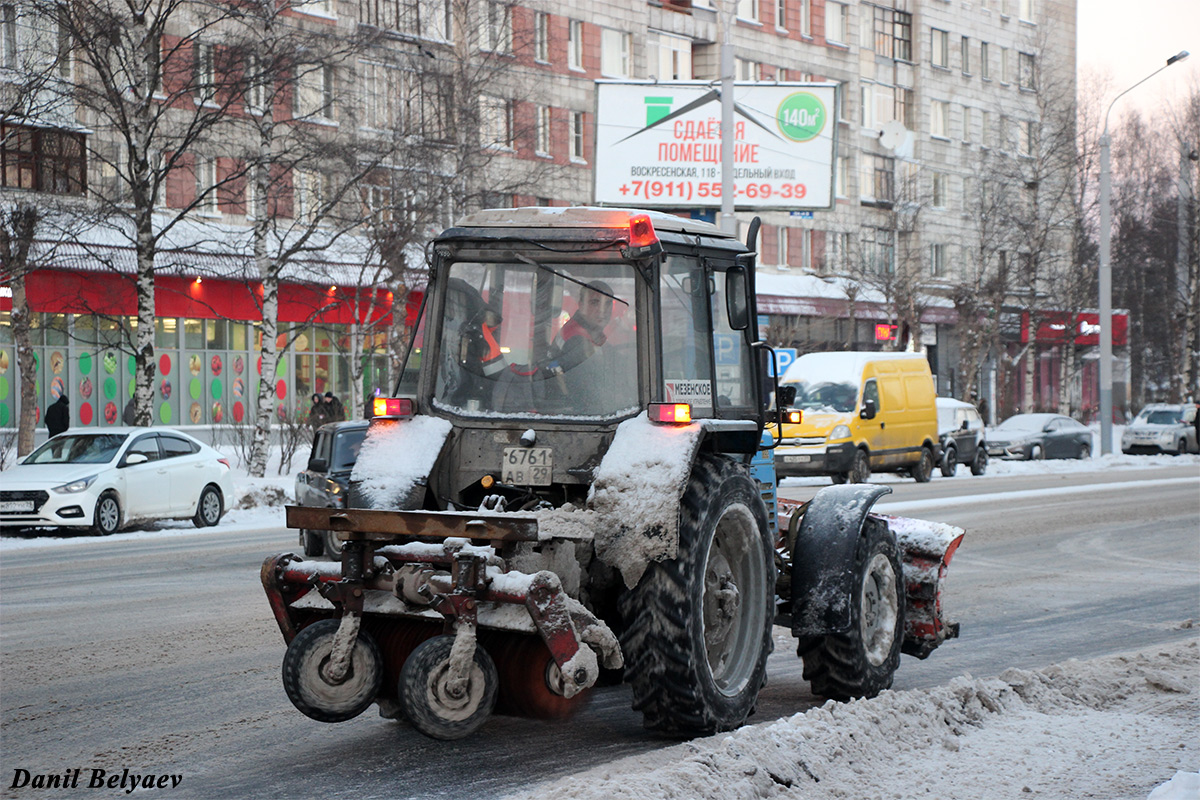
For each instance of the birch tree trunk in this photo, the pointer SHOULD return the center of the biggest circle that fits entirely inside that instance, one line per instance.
(16, 237)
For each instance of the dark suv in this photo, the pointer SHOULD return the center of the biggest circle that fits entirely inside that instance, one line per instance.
(325, 482)
(962, 436)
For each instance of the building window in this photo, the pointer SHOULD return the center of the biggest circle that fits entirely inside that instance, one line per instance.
(806, 17)
(837, 22)
(1005, 66)
(747, 9)
(65, 61)
(8, 36)
(575, 45)
(313, 95)
(204, 78)
(256, 88)
(206, 186)
(747, 70)
(425, 18)
(903, 106)
(1026, 137)
(495, 32)
(843, 177)
(312, 191)
(838, 254)
(939, 118)
(939, 190)
(878, 178)
(968, 116)
(668, 58)
(781, 254)
(496, 115)
(939, 48)
(614, 53)
(577, 136)
(877, 251)
(1028, 71)
(937, 260)
(541, 36)
(43, 160)
(985, 62)
(893, 33)
(542, 145)
(1027, 10)
(989, 129)
(965, 49)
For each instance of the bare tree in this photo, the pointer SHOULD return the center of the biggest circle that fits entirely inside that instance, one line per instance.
(149, 83)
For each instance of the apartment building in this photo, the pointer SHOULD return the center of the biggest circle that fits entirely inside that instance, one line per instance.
(934, 95)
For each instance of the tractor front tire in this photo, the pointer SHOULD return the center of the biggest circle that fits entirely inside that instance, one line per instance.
(862, 661)
(307, 686)
(698, 627)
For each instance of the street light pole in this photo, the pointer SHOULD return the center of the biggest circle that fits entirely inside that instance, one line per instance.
(1106, 327)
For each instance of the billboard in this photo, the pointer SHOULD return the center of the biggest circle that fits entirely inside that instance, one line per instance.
(659, 144)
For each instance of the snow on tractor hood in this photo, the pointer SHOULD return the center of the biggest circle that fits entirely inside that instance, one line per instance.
(396, 456)
(640, 482)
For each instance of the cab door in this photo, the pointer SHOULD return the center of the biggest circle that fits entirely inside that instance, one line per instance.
(873, 431)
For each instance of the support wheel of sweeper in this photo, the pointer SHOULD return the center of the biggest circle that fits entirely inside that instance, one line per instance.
(698, 627)
(307, 681)
(862, 661)
(433, 704)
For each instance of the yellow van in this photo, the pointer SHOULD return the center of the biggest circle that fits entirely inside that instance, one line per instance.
(861, 412)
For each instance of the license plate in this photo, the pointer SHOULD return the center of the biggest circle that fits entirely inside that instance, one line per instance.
(16, 505)
(527, 466)
(796, 459)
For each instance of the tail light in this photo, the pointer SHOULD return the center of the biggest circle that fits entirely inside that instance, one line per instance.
(224, 461)
(392, 408)
(670, 413)
(790, 417)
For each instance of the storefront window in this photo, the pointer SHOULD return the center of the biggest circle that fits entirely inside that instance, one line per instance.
(55, 329)
(193, 334)
(166, 332)
(237, 335)
(217, 334)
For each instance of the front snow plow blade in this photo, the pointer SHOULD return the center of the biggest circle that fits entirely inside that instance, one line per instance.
(456, 632)
(927, 548)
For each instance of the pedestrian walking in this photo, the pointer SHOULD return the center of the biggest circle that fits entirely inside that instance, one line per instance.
(58, 415)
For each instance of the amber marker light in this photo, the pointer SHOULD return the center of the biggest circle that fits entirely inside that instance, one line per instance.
(670, 413)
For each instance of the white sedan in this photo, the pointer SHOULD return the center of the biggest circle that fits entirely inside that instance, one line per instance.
(112, 478)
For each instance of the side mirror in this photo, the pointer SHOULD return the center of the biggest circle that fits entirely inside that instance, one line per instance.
(868, 410)
(737, 298)
(966, 426)
(785, 396)
(135, 458)
(317, 465)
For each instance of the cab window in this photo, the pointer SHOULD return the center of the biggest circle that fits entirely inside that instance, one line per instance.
(687, 368)
(871, 393)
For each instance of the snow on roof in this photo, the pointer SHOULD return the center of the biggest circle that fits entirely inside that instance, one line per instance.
(212, 249)
(841, 367)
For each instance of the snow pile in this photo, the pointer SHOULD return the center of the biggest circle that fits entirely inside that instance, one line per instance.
(394, 458)
(1110, 728)
(639, 481)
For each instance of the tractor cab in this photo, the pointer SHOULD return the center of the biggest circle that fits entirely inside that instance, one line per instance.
(545, 328)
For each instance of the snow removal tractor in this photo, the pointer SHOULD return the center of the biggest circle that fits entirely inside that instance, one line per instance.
(573, 483)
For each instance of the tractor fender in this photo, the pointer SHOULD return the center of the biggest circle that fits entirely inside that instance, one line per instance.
(823, 557)
(395, 461)
(636, 493)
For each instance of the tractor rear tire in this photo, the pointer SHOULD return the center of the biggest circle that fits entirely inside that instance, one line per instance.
(427, 703)
(698, 627)
(310, 691)
(862, 661)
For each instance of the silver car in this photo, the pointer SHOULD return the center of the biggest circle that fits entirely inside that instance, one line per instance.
(1162, 428)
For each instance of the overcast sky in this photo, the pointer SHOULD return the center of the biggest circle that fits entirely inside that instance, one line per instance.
(1130, 40)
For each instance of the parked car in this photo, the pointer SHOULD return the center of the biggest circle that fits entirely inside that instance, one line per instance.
(963, 436)
(110, 479)
(327, 479)
(1162, 428)
(1036, 436)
